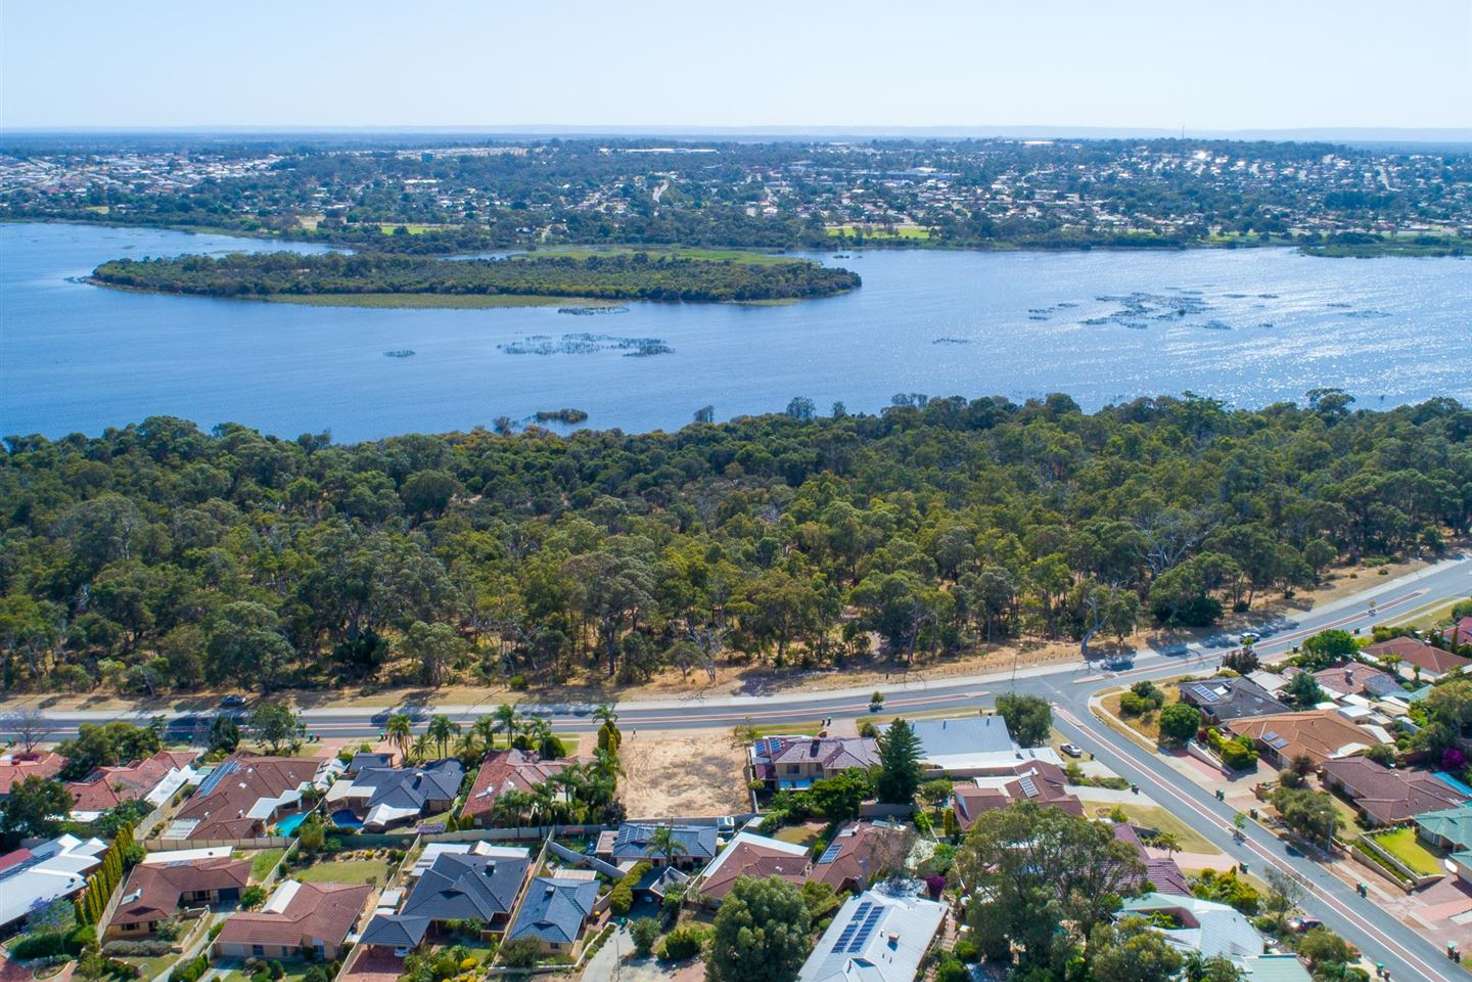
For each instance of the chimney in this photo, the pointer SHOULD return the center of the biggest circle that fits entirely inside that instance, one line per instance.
(894, 939)
(550, 890)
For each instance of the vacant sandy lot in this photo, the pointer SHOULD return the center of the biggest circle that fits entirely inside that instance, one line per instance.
(686, 773)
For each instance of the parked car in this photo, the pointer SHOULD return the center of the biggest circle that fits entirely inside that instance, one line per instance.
(1072, 749)
(232, 702)
(1302, 925)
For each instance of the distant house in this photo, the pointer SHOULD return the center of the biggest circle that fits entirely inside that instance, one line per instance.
(1162, 872)
(364, 759)
(796, 762)
(1204, 926)
(634, 842)
(502, 771)
(1230, 698)
(967, 745)
(457, 887)
(16, 767)
(1448, 828)
(298, 918)
(1274, 968)
(1354, 679)
(876, 937)
(554, 912)
(244, 796)
(1318, 734)
(153, 781)
(749, 854)
(1038, 782)
(387, 796)
(1459, 634)
(156, 892)
(30, 879)
(858, 853)
(1383, 796)
(1414, 659)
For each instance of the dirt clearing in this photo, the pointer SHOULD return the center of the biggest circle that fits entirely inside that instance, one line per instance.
(682, 773)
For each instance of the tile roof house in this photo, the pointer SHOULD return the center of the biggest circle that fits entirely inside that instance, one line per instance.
(153, 780)
(1162, 873)
(1384, 796)
(1460, 633)
(1230, 698)
(1354, 679)
(749, 854)
(875, 937)
(387, 796)
(1417, 659)
(1318, 734)
(1205, 926)
(502, 771)
(155, 892)
(458, 887)
(16, 767)
(554, 912)
(633, 841)
(1449, 828)
(298, 916)
(858, 852)
(242, 796)
(796, 762)
(1038, 782)
(30, 879)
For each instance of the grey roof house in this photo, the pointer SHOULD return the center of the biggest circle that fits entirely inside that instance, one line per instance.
(1231, 698)
(633, 842)
(554, 912)
(458, 887)
(388, 796)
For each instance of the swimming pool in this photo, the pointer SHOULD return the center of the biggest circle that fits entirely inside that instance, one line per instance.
(289, 824)
(344, 819)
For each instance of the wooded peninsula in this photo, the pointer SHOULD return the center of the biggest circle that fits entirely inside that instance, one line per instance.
(624, 276)
(158, 557)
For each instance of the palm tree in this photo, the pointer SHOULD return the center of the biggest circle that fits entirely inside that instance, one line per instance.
(664, 842)
(400, 730)
(506, 720)
(441, 729)
(485, 729)
(511, 808)
(420, 749)
(469, 746)
(605, 713)
(1168, 842)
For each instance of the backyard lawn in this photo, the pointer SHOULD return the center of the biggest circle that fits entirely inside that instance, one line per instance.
(151, 967)
(261, 863)
(1403, 845)
(345, 871)
(800, 835)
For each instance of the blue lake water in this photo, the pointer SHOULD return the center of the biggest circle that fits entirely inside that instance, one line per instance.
(1250, 326)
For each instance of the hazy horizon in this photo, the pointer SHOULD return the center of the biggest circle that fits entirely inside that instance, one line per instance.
(1067, 67)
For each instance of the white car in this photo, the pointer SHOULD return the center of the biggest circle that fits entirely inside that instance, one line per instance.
(1072, 749)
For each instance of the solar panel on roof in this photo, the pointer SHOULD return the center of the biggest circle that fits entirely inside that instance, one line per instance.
(831, 853)
(1028, 788)
(866, 930)
(852, 926)
(216, 776)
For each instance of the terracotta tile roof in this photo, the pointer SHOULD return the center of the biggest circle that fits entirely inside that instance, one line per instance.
(1430, 658)
(1319, 734)
(15, 768)
(1350, 679)
(850, 857)
(1390, 796)
(1037, 781)
(109, 787)
(317, 912)
(751, 859)
(832, 753)
(222, 802)
(159, 886)
(1164, 873)
(507, 770)
(1459, 633)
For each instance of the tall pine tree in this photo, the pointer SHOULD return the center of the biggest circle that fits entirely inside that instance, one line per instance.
(899, 764)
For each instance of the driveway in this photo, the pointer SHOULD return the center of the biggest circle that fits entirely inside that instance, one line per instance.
(606, 965)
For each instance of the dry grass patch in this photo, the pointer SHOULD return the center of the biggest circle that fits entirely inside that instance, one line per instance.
(689, 773)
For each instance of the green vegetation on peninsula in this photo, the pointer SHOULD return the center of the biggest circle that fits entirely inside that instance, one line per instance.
(409, 279)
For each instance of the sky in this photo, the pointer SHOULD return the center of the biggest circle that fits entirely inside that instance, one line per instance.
(1243, 64)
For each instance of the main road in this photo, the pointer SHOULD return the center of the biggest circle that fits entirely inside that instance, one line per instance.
(1069, 687)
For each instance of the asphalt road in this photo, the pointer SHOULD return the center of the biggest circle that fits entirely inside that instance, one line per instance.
(1069, 688)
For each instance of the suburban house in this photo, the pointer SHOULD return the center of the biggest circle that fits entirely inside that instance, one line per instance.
(858, 853)
(1162, 872)
(1038, 782)
(1204, 926)
(1415, 659)
(153, 780)
(1274, 968)
(1354, 679)
(364, 759)
(30, 879)
(877, 937)
(1383, 796)
(1271, 681)
(749, 854)
(1459, 634)
(298, 918)
(554, 912)
(1318, 734)
(243, 796)
(434, 850)
(1230, 698)
(1449, 828)
(383, 797)
(967, 745)
(16, 767)
(796, 762)
(502, 771)
(458, 887)
(158, 891)
(634, 842)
